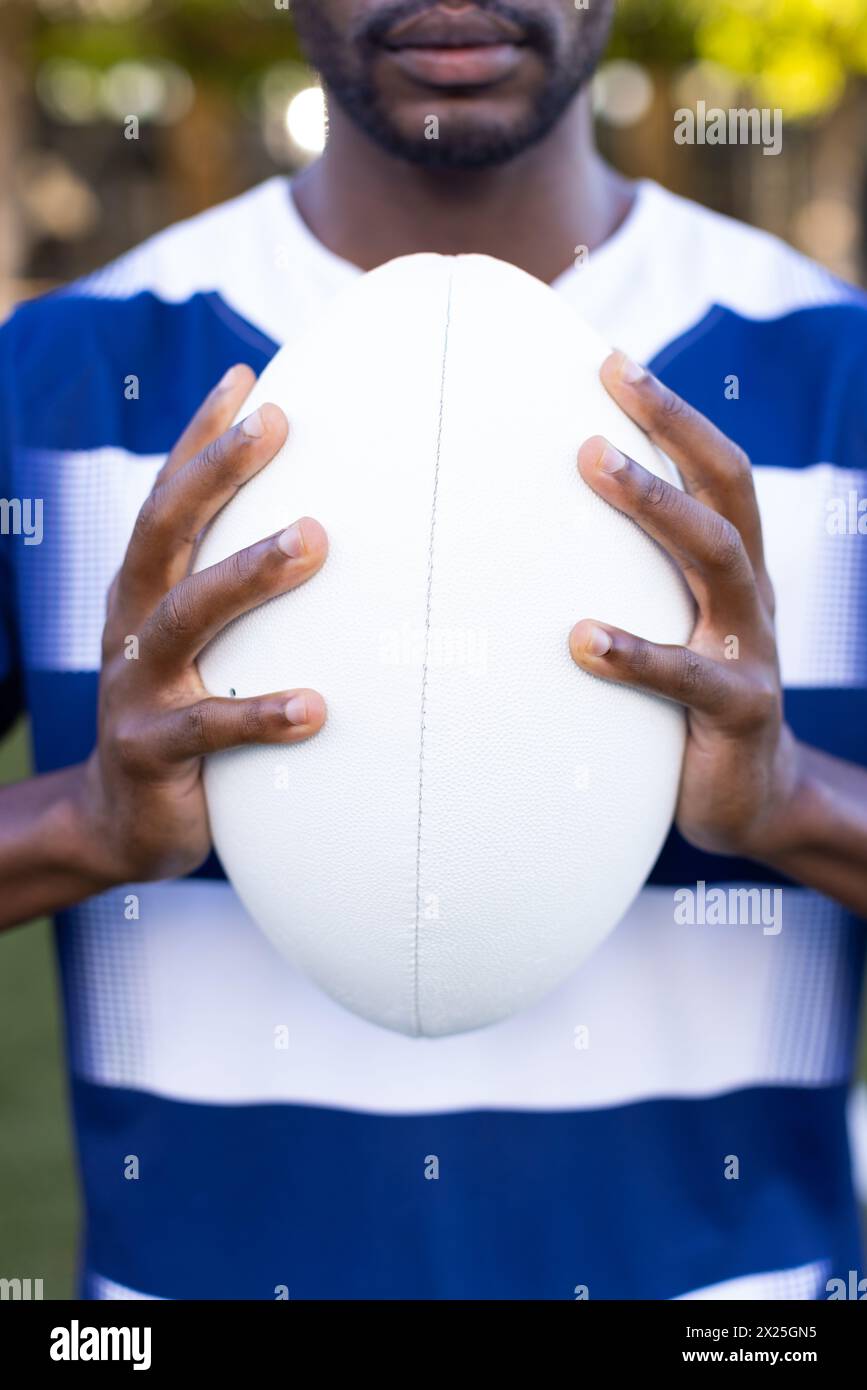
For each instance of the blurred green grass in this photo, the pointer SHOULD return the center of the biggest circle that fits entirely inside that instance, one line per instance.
(38, 1190)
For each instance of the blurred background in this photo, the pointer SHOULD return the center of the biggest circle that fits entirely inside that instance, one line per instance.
(223, 101)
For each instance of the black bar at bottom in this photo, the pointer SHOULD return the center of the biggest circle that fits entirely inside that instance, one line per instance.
(259, 1338)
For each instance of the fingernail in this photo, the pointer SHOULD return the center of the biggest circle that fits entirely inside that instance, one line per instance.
(630, 371)
(597, 642)
(253, 425)
(228, 380)
(291, 541)
(610, 460)
(295, 709)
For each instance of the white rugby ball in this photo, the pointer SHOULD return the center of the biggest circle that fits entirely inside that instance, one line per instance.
(477, 813)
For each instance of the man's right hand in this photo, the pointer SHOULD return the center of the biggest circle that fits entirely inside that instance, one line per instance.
(136, 809)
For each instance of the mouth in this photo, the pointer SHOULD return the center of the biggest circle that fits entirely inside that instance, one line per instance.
(455, 47)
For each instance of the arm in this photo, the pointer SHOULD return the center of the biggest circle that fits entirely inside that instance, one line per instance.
(748, 788)
(136, 810)
(46, 862)
(822, 839)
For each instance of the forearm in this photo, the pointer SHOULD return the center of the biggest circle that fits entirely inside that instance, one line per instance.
(46, 861)
(823, 840)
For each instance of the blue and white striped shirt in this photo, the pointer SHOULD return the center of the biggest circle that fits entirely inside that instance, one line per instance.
(585, 1142)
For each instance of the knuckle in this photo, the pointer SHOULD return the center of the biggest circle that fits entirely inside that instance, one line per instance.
(112, 676)
(254, 722)
(642, 659)
(739, 463)
(769, 597)
(654, 491)
(762, 705)
(109, 644)
(687, 671)
(726, 547)
(736, 476)
(198, 727)
(129, 748)
(173, 617)
(150, 522)
(673, 409)
(243, 568)
(213, 457)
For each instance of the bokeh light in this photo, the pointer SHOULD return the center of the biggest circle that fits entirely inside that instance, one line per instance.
(707, 82)
(826, 228)
(56, 201)
(306, 121)
(68, 90)
(158, 91)
(622, 92)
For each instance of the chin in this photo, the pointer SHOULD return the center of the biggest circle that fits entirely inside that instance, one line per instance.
(450, 124)
(445, 132)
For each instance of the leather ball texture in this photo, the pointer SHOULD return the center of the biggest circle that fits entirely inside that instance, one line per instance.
(477, 813)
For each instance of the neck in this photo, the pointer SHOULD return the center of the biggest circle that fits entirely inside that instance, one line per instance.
(534, 211)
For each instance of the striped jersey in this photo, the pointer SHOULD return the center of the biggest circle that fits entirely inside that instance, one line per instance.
(670, 1121)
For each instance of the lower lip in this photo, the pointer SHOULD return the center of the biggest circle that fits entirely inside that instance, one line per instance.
(458, 67)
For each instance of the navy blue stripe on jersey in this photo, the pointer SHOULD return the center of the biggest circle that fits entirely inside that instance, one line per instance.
(779, 360)
(791, 411)
(231, 1202)
(833, 720)
(176, 352)
(63, 709)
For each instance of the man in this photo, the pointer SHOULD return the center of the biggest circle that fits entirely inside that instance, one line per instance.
(671, 1121)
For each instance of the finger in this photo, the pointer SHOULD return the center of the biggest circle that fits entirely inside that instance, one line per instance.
(213, 416)
(677, 673)
(714, 469)
(167, 527)
(706, 546)
(194, 611)
(213, 725)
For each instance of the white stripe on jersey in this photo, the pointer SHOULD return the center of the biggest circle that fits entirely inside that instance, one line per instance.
(804, 1282)
(191, 1002)
(92, 498)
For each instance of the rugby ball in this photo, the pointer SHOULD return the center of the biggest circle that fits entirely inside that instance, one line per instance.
(477, 813)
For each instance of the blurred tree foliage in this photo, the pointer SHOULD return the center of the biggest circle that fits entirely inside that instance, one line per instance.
(799, 51)
(796, 54)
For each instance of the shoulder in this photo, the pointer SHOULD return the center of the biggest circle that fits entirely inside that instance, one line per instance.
(717, 259)
(768, 344)
(198, 254)
(158, 326)
(202, 255)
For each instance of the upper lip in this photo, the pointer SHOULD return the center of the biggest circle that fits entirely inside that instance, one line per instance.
(437, 28)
